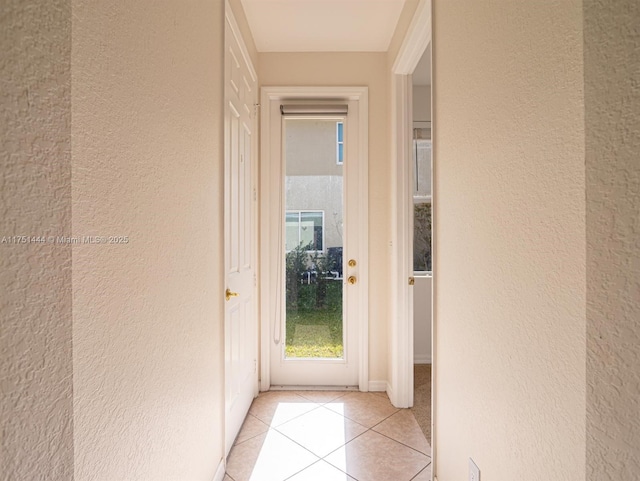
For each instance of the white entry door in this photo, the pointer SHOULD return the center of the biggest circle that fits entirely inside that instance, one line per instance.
(240, 233)
(318, 263)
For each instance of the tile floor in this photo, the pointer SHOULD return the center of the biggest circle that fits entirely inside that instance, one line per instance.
(328, 436)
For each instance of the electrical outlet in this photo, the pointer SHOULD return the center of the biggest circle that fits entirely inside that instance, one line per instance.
(474, 471)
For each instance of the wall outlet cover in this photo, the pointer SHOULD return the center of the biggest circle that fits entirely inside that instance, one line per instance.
(474, 471)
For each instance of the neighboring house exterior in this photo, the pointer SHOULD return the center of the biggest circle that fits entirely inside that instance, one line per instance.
(313, 183)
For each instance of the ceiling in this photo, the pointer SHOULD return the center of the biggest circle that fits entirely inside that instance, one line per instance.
(322, 25)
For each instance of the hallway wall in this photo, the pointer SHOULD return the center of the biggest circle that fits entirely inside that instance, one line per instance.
(510, 249)
(147, 164)
(36, 404)
(612, 103)
(355, 69)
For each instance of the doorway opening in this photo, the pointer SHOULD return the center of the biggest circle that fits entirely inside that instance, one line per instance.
(422, 236)
(314, 245)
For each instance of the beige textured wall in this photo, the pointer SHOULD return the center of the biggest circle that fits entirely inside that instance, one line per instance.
(36, 410)
(147, 163)
(612, 107)
(509, 230)
(355, 69)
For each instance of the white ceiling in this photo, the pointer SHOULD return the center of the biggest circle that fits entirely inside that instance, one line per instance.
(322, 25)
(422, 73)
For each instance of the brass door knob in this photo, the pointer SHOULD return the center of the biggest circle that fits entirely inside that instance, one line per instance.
(352, 263)
(352, 280)
(228, 294)
(412, 281)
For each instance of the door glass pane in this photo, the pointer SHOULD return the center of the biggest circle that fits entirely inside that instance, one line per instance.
(314, 239)
(422, 200)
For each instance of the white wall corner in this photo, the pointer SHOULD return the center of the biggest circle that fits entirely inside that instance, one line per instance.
(378, 386)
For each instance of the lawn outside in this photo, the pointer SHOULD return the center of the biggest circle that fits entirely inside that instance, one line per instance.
(313, 323)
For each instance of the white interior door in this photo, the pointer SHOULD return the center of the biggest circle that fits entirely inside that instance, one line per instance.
(240, 234)
(318, 263)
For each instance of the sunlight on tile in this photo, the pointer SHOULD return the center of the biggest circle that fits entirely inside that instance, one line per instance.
(332, 441)
(321, 430)
(279, 458)
(321, 471)
(276, 458)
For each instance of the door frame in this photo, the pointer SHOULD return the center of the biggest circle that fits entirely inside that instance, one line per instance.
(271, 256)
(413, 46)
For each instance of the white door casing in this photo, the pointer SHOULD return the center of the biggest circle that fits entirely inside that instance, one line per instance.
(240, 231)
(413, 46)
(275, 370)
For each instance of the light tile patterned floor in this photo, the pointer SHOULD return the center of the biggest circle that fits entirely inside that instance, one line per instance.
(328, 436)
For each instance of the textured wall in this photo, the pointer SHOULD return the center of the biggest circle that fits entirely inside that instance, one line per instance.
(35, 278)
(355, 69)
(612, 107)
(509, 228)
(147, 160)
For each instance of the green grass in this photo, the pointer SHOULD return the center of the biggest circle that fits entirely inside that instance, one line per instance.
(320, 331)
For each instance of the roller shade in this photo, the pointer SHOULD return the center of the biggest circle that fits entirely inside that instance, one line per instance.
(337, 109)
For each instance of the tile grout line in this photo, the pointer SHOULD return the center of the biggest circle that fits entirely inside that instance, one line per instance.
(421, 471)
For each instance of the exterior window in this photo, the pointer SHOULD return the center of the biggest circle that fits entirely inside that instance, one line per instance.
(305, 228)
(339, 143)
(421, 236)
(422, 200)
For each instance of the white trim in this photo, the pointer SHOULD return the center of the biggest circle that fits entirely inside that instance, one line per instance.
(378, 386)
(401, 328)
(220, 471)
(415, 41)
(235, 29)
(401, 353)
(270, 175)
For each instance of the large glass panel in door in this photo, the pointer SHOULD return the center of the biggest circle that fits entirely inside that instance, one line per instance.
(314, 155)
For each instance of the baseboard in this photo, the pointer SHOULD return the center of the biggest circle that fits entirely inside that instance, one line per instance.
(377, 386)
(220, 472)
(422, 359)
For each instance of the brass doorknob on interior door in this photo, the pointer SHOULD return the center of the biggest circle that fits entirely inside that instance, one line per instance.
(352, 262)
(352, 280)
(412, 281)
(228, 294)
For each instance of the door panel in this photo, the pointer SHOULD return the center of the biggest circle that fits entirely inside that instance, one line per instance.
(240, 238)
(320, 234)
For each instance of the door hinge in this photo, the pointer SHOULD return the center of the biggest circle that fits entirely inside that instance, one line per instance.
(255, 365)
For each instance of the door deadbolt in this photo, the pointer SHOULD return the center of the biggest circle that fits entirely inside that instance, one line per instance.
(352, 262)
(352, 280)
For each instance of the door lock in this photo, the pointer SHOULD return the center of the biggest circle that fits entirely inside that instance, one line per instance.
(352, 280)
(352, 262)
(412, 281)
